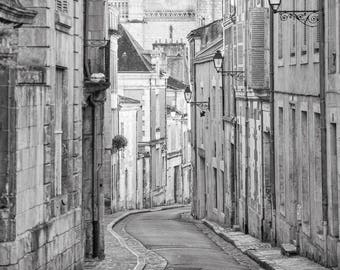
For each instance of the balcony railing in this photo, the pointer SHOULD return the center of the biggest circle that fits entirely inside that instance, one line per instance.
(97, 62)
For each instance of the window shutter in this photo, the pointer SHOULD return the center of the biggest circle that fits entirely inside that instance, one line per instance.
(65, 6)
(258, 74)
(62, 5)
(59, 5)
(332, 57)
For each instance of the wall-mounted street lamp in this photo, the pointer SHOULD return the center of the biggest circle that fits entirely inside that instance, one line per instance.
(307, 17)
(218, 63)
(204, 106)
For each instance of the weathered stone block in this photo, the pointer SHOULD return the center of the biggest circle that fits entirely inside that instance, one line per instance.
(22, 138)
(48, 134)
(77, 130)
(4, 255)
(34, 36)
(48, 173)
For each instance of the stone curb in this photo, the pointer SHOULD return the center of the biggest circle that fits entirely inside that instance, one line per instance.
(257, 250)
(141, 262)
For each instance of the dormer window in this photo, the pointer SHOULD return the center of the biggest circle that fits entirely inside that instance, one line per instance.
(62, 6)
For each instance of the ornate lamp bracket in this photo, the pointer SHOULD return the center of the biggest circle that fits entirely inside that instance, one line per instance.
(307, 17)
(203, 106)
(237, 75)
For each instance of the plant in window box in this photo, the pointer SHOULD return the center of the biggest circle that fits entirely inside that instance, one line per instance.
(119, 142)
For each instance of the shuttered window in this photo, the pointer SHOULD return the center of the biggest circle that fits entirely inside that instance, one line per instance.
(293, 38)
(304, 33)
(62, 5)
(317, 32)
(332, 57)
(258, 57)
(280, 45)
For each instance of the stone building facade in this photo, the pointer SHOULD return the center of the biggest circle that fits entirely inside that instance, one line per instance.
(332, 64)
(290, 197)
(178, 146)
(140, 77)
(53, 102)
(129, 191)
(100, 56)
(208, 141)
(247, 118)
(45, 155)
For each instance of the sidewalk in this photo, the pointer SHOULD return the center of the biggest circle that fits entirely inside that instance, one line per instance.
(263, 253)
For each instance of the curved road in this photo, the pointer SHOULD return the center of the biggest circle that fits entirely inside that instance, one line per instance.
(184, 245)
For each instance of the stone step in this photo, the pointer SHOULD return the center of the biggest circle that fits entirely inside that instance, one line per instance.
(289, 250)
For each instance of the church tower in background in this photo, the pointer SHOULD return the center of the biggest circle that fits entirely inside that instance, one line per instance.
(208, 11)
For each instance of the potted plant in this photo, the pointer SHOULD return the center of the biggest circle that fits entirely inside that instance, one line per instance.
(119, 142)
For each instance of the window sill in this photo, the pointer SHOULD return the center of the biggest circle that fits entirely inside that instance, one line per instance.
(63, 22)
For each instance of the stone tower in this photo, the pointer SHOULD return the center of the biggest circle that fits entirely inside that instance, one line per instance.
(208, 11)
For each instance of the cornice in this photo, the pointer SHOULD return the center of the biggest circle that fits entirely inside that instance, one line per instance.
(11, 11)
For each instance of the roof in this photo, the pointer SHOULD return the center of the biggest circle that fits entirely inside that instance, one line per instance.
(127, 100)
(176, 84)
(199, 31)
(131, 55)
(11, 11)
(208, 53)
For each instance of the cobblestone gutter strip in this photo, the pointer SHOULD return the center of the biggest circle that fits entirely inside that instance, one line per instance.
(146, 259)
(263, 253)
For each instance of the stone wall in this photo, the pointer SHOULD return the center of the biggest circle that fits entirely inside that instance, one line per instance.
(48, 142)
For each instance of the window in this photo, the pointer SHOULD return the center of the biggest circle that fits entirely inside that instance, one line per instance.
(158, 115)
(280, 45)
(304, 33)
(216, 189)
(305, 173)
(293, 38)
(214, 101)
(281, 153)
(332, 57)
(317, 32)
(334, 179)
(60, 120)
(123, 7)
(62, 6)
(171, 31)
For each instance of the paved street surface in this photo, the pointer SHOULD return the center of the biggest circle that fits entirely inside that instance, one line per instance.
(184, 245)
(172, 240)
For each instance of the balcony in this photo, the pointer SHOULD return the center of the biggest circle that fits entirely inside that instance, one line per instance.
(97, 65)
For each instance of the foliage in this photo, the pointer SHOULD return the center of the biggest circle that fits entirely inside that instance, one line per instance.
(119, 142)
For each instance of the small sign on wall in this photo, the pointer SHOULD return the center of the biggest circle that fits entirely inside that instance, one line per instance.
(30, 76)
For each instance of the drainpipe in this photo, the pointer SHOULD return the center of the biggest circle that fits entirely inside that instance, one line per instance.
(323, 121)
(194, 182)
(263, 177)
(151, 156)
(117, 183)
(246, 214)
(166, 135)
(272, 127)
(136, 164)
